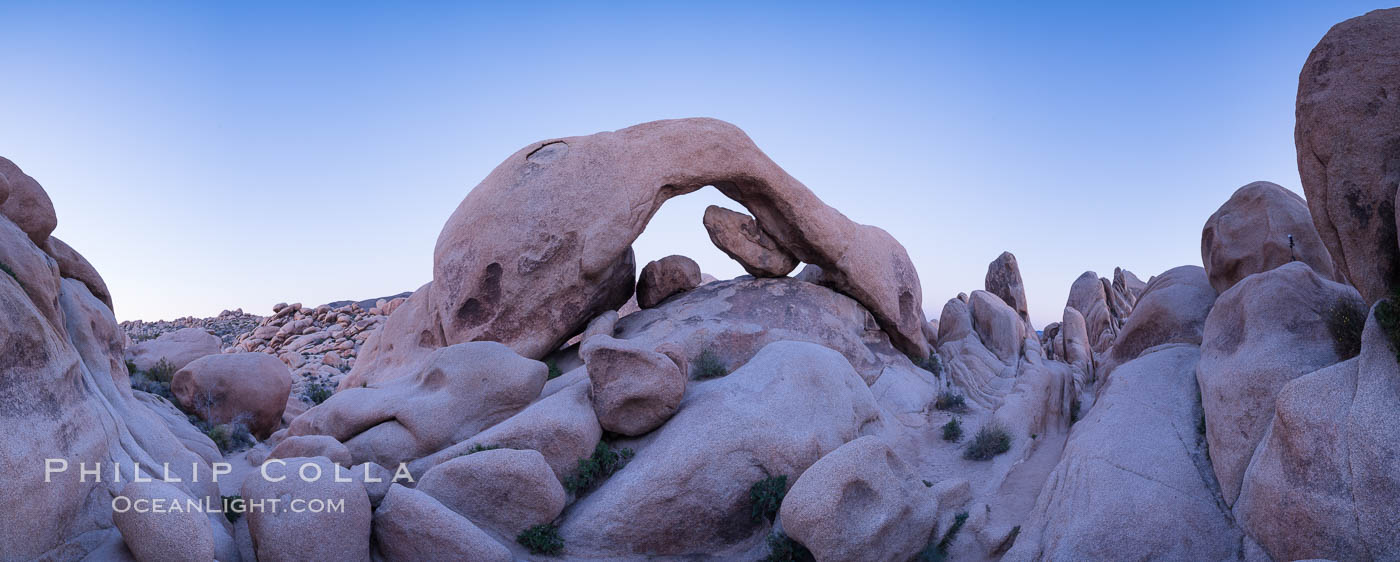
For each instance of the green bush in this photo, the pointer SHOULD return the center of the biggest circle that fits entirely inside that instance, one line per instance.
(708, 366)
(228, 437)
(938, 552)
(597, 468)
(781, 548)
(163, 371)
(554, 370)
(1388, 317)
(933, 364)
(317, 392)
(991, 440)
(767, 496)
(139, 381)
(951, 401)
(1345, 322)
(477, 448)
(952, 431)
(541, 539)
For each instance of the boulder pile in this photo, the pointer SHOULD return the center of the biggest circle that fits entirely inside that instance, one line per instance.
(537, 399)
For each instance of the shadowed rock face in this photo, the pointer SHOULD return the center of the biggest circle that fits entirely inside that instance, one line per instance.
(543, 244)
(1348, 137)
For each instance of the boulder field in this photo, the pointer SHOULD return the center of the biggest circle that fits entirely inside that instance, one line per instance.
(539, 399)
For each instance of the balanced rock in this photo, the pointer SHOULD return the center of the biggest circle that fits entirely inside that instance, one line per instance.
(249, 388)
(666, 277)
(1268, 329)
(534, 277)
(1348, 128)
(1261, 226)
(739, 237)
(177, 349)
(861, 502)
(410, 526)
(1004, 280)
(28, 205)
(634, 389)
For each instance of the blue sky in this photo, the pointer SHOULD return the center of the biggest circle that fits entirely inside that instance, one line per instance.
(212, 155)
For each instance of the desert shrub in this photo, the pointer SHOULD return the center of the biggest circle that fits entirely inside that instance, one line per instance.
(767, 496)
(933, 364)
(952, 431)
(593, 470)
(781, 548)
(991, 440)
(541, 539)
(139, 381)
(233, 507)
(554, 370)
(1388, 317)
(228, 437)
(1074, 410)
(477, 448)
(708, 366)
(951, 401)
(1345, 322)
(316, 392)
(163, 371)
(938, 551)
(131, 367)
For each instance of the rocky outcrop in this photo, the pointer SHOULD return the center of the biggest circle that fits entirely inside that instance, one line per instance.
(739, 237)
(312, 446)
(400, 346)
(68, 396)
(1004, 281)
(163, 535)
(533, 278)
(1268, 329)
(462, 390)
(861, 502)
(687, 489)
(1347, 134)
(248, 388)
(1261, 226)
(733, 320)
(1324, 481)
(1087, 296)
(997, 325)
(665, 278)
(1172, 309)
(1136, 456)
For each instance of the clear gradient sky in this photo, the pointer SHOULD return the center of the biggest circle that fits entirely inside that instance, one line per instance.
(208, 155)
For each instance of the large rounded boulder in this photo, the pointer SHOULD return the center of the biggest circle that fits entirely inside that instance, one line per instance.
(1268, 329)
(173, 350)
(248, 388)
(1261, 226)
(1172, 309)
(1348, 135)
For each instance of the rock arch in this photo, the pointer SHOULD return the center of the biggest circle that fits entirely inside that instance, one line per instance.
(543, 244)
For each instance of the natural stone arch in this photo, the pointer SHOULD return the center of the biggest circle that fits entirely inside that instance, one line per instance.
(543, 244)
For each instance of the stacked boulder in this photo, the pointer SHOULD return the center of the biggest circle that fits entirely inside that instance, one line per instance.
(229, 326)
